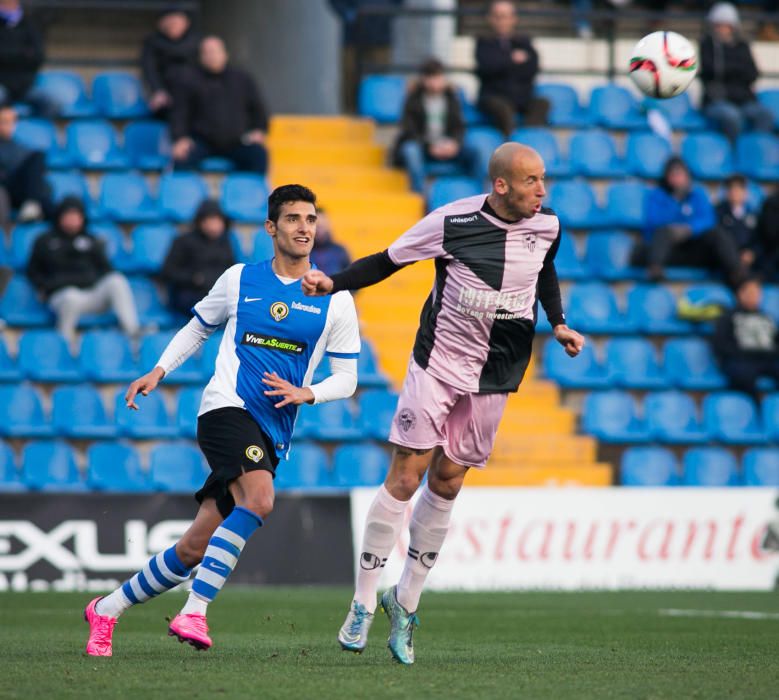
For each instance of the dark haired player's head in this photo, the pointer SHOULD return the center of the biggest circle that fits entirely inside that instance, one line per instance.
(517, 175)
(292, 220)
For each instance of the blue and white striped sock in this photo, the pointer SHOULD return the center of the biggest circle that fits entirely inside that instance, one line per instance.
(221, 556)
(161, 573)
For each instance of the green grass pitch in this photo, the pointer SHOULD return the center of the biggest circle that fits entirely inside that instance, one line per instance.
(280, 643)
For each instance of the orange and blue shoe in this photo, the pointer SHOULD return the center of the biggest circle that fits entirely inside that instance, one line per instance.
(191, 629)
(101, 630)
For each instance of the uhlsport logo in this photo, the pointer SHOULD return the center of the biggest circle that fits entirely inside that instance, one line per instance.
(254, 453)
(279, 310)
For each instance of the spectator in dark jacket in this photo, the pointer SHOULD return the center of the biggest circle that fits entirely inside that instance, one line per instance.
(69, 268)
(507, 65)
(737, 218)
(21, 56)
(768, 235)
(728, 72)
(746, 341)
(432, 128)
(22, 172)
(196, 259)
(217, 111)
(680, 227)
(173, 47)
(327, 255)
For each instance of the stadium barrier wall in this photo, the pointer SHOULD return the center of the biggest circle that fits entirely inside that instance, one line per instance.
(617, 538)
(93, 542)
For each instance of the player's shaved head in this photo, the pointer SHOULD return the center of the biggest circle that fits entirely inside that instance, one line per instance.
(517, 175)
(510, 156)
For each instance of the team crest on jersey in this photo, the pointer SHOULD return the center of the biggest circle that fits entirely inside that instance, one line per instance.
(530, 241)
(254, 453)
(406, 420)
(279, 310)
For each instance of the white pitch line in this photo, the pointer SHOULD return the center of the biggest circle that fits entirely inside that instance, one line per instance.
(731, 614)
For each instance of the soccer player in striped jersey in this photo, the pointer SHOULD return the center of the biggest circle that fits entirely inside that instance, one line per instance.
(274, 339)
(494, 259)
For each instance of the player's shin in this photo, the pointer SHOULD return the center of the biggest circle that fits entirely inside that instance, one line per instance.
(428, 528)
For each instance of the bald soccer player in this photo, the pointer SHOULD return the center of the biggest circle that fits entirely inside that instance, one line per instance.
(494, 258)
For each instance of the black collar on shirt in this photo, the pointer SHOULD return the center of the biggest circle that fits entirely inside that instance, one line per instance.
(487, 209)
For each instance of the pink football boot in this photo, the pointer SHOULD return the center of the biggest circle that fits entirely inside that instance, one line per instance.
(101, 629)
(191, 629)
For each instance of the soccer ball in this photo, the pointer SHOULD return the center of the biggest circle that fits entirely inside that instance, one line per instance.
(663, 64)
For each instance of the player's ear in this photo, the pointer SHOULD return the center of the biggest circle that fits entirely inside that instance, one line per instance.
(500, 185)
(270, 227)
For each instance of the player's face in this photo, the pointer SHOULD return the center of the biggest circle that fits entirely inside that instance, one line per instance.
(523, 192)
(294, 232)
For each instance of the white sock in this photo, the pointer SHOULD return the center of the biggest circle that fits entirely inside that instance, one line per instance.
(429, 525)
(114, 604)
(195, 605)
(382, 527)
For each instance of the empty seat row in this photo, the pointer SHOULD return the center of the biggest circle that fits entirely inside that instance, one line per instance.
(700, 466)
(177, 467)
(672, 417)
(78, 412)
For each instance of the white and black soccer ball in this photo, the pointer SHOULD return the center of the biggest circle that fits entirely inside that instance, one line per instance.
(663, 64)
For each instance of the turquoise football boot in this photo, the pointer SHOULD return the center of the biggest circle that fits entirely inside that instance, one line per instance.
(402, 624)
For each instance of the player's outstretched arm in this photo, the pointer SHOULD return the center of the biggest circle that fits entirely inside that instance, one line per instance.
(290, 393)
(144, 385)
(316, 284)
(361, 273)
(571, 341)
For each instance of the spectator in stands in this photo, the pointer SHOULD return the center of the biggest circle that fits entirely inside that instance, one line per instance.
(166, 51)
(196, 259)
(768, 235)
(737, 218)
(22, 172)
(327, 255)
(70, 269)
(728, 72)
(217, 111)
(507, 65)
(746, 341)
(22, 53)
(680, 228)
(432, 128)
(5, 211)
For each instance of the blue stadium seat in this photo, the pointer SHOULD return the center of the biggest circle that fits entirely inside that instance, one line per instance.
(77, 412)
(544, 141)
(592, 308)
(567, 261)
(608, 256)
(574, 202)
(41, 135)
(679, 112)
(369, 373)
(565, 109)
(614, 107)
(119, 96)
(757, 156)
(649, 466)
(652, 307)
(306, 468)
(147, 301)
(186, 411)
(23, 239)
(646, 154)
(236, 243)
(115, 466)
(262, 247)
(44, 356)
(245, 197)
(9, 475)
(673, 418)
(147, 144)
(625, 204)
(612, 416)
(9, 368)
(51, 466)
(106, 356)
(770, 410)
(770, 98)
(733, 418)
(542, 322)
(181, 194)
(471, 115)
(176, 467)
(583, 372)
(632, 363)
(126, 197)
(709, 293)
(761, 467)
(770, 303)
(70, 182)
(593, 153)
(484, 139)
(149, 422)
(151, 243)
(377, 408)
(210, 352)
(20, 305)
(328, 421)
(68, 91)
(690, 364)
(114, 242)
(381, 97)
(709, 466)
(215, 164)
(191, 372)
(360, 465)
(444, 190)
(92, 144)
(21, 412)
(708, 155)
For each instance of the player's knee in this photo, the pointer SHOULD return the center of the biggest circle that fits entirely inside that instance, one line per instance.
(403, 483)
(445, 488)
(259, 503)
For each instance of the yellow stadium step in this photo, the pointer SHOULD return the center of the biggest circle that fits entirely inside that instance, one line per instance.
(346, 178)
(371, 204)
(529, 449)
(303, 155)
(310, 128)
(559, 475)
